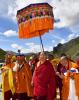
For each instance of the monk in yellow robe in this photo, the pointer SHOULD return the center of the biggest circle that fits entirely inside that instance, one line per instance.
(6, 71)
(22, 79)
(70, 89)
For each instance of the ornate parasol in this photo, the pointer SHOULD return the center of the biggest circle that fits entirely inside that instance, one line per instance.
(35, 20)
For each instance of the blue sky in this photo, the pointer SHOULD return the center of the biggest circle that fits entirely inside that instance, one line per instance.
(66, 28)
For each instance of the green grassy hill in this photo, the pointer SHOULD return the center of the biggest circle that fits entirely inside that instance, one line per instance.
(70, 48)
(2, 55)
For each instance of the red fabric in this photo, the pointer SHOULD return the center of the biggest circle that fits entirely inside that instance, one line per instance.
(20, 96)
(78, 62)
(45, 81)
(7, 95)
(40, 98)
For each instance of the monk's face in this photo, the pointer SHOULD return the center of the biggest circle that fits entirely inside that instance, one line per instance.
(64, 62)
(42, 57)
(8, 60)
(20, 59)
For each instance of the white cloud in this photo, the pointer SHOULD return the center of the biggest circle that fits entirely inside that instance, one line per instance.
(48, 48)
(30, 47)
(16, 46)
(12, 12)
(57, 37)
(30, 44)
(10, 33)
(68, 38)
(7, 8)
(33, 47)
(53, 41)
(5, 40)
(60, 24)
(75, 29)
(25, 50)
(72, 36)
(23, 3)
(0, 33)
(67, 11)
(36, 49)
(63, 41)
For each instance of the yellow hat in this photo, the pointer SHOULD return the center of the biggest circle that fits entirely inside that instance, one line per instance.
(56, 61)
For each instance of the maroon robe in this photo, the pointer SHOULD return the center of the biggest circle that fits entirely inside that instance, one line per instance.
(8, 95)
(45, 81)
(61, 69)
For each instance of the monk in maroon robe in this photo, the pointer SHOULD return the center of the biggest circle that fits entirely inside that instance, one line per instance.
(60, 70)
(44, 80)
(77, 61)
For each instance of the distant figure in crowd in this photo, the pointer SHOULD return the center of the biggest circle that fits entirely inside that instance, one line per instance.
(50, 57)
(44, 79)
(32, 62)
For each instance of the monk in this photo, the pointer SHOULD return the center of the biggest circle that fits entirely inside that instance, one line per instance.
(22, 79)
(58, 70)
(44, 79)
(8, 65)
(70, 89)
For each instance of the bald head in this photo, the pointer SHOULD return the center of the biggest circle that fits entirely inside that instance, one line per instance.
(42, 56)
(8, 58)
(64, 61)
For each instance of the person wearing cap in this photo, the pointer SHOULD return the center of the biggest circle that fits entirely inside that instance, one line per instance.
(32, 62)
(50, 57)
(22, 79)
(70, 89)
(44, 80)
(7, 78)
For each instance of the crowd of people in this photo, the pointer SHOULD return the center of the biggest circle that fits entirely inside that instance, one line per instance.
(40, 77)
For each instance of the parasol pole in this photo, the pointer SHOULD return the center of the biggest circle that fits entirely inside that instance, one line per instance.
(41, 42)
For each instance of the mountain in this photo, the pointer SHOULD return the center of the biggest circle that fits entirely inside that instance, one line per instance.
(11, 52)
(2, 55)
(71, 48)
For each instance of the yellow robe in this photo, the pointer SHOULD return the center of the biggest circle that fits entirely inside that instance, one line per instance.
(7, 80)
